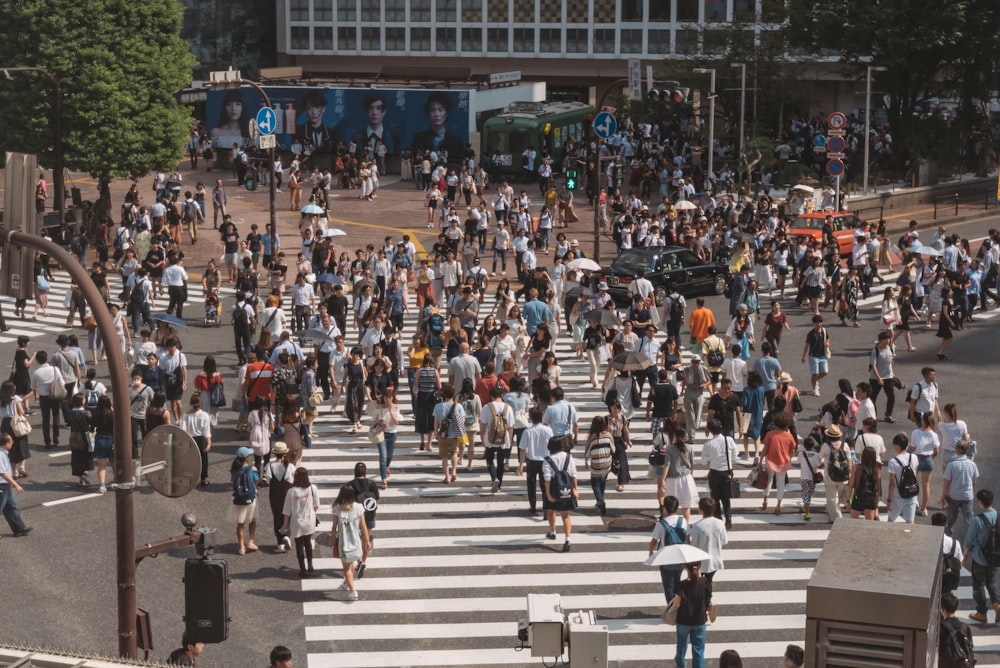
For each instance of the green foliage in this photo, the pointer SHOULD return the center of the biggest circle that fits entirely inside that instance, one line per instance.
(119, 63)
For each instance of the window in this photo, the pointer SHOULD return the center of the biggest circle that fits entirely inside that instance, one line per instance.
(687, 42)
(659, 10)
(604, 40)
(445, 39)
(395, 10)
(323, 38)
(472, 12)
(371, 11)
(420, 39)
(472, 39)
(298, 10)
(347, 38)
(524, 11)
(395, 39)
(631, 41)
(550, 40)
(371, 39)
(687, 10)
(446, 11)
(420, 10)
(744, 10)
(659, 41)
(576, 40)
(347, 10)
(300, 37)
(497, 11)
(716, 41)
(323, 11)
(715, 10)
(524, 40)
(632, 10)
(496, 40)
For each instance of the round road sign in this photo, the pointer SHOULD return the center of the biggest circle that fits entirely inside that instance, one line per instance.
(176, 448)
(836, 144)
(819, 140)
(835, 167)
(605, 125)
(837, 120)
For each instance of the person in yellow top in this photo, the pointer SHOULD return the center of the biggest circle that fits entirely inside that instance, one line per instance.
(551, 199)
(699, 321)
(416, 354)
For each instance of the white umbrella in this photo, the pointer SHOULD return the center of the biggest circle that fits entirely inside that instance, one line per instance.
(923, 249)
(677, 555)
(804, 189)
(685, 205)
(584, 264)
(334, 232)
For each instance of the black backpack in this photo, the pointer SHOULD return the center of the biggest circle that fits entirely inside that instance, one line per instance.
(907, 484)
(952, 569)
(956, 645)
(561, 483)
(246, 281)
(676, 309)
(991, 548)
(839, 465)
(241, 321)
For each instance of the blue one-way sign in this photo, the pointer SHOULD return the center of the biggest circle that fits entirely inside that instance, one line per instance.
(605, 125)
(266, 121)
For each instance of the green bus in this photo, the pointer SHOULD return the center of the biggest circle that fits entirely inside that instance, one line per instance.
(547, 126)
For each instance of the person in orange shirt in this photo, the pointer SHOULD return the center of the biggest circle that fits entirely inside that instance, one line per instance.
(700, 320)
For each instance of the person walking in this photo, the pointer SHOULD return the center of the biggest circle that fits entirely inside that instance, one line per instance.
(278, 476)
(817, 350)
(835, 455)
(449, 425)
(532, 449)
(976, 559)
(497, 433)
(8, 487)
(709, 534)
(244, 480)
(301, 506)
(597, 457)
(349, 537)
(865, 486)
(670, 529)
(696, 380)
(960, 476)
(561, 494)
(779, 448)
(677, 479)
(881, 374)
(693, 612)
(718, 454)
(897, 504)
(198, 423)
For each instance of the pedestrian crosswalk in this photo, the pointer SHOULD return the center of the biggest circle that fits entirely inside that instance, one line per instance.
(452, 564)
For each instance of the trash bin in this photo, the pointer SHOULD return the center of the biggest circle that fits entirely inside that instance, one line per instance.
(874, 596)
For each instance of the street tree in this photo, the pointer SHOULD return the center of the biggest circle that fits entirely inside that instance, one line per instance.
(119, 64)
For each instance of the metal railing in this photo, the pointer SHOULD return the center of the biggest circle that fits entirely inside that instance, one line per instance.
(880, 208)
(941, 198)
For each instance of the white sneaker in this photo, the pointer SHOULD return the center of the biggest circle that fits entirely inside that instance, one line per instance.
(816, 390)
(343, 586)
(102, 489)
(287, 542)
(352, 595)
(282, 548)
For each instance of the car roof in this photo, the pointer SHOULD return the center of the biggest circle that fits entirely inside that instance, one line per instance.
(824, 214)
(653, 250)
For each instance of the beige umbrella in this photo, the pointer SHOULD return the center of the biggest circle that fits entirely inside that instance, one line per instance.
(685, 205)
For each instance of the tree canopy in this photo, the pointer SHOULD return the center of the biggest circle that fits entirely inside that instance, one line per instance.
(119, 63)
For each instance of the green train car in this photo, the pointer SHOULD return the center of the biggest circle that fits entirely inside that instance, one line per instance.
(547, 126)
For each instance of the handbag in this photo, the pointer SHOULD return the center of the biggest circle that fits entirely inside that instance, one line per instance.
(670, 615)
(239, 404)
(316, 398)
(90, 323)
(19, 425)
(734, 484)
(57, 388)
(216, 395)
(757, 478)
(817, 475)
(43, 283)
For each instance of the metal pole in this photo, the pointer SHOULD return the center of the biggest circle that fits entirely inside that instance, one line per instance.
(743, 106)
(711, 116)
(124, 502)
(58, 181)
(868, 123)
(597, 184)
(270, 154)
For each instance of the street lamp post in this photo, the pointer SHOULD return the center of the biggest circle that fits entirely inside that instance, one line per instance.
(58, 182)
(711, 117)
(868, 120)
(743, 105)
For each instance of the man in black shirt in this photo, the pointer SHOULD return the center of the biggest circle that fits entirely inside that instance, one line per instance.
(661, 404)
(336, 306)
(725, 407)
(955, 648)
(186, 654)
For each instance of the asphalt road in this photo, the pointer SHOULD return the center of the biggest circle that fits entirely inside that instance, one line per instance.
(62, 577)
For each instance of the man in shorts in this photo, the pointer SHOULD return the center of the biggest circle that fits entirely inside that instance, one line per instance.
(816, 348)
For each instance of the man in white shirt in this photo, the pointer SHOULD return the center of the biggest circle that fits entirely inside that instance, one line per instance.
(175, 280)
(866, 407)
(496, 453)
(532, 450)
(718, 454)
(924, 396)
(41, 385)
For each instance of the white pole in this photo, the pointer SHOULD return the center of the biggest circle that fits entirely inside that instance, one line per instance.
(868, 124)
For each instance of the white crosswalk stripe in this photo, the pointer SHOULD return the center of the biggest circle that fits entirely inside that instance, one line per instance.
(452, 564)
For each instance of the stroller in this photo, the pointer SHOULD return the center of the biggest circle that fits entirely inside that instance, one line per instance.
(213, 308)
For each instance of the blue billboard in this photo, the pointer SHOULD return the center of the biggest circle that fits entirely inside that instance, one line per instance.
(358, 120)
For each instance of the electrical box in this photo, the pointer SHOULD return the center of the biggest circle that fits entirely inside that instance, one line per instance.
(545, 625)
(206, 600)
(873, 599)
(588, 641)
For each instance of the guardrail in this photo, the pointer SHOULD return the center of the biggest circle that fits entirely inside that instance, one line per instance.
(941, 198)
(880, 208)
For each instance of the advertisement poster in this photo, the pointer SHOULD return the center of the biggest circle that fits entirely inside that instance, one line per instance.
(321, 120)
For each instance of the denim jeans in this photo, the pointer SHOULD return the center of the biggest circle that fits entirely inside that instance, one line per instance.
(140, 314)
(496, 462)
(8, 504)
(984, 577)
(697, 636)
(952, 510)
(599, 484)
(669, 578)
(386, 448)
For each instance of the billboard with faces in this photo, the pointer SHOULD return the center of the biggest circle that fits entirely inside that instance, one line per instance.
(360, 120)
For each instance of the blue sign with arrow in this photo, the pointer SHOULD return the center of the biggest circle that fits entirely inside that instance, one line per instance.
(266, 121)
(605, 125)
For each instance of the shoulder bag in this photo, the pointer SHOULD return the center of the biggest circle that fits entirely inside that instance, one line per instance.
(57, 388)
(19, 424)
(817, 475)
(734, 484)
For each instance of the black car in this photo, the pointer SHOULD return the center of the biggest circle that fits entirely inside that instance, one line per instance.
(665, 266)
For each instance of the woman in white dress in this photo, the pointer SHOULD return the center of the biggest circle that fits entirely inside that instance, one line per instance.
(349, 536)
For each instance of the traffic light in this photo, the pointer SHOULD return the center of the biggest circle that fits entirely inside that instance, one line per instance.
(206, 600)
(570, 179)
(668, 92)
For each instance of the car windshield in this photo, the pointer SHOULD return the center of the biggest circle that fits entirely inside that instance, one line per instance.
(631, 263)
(803, 223)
